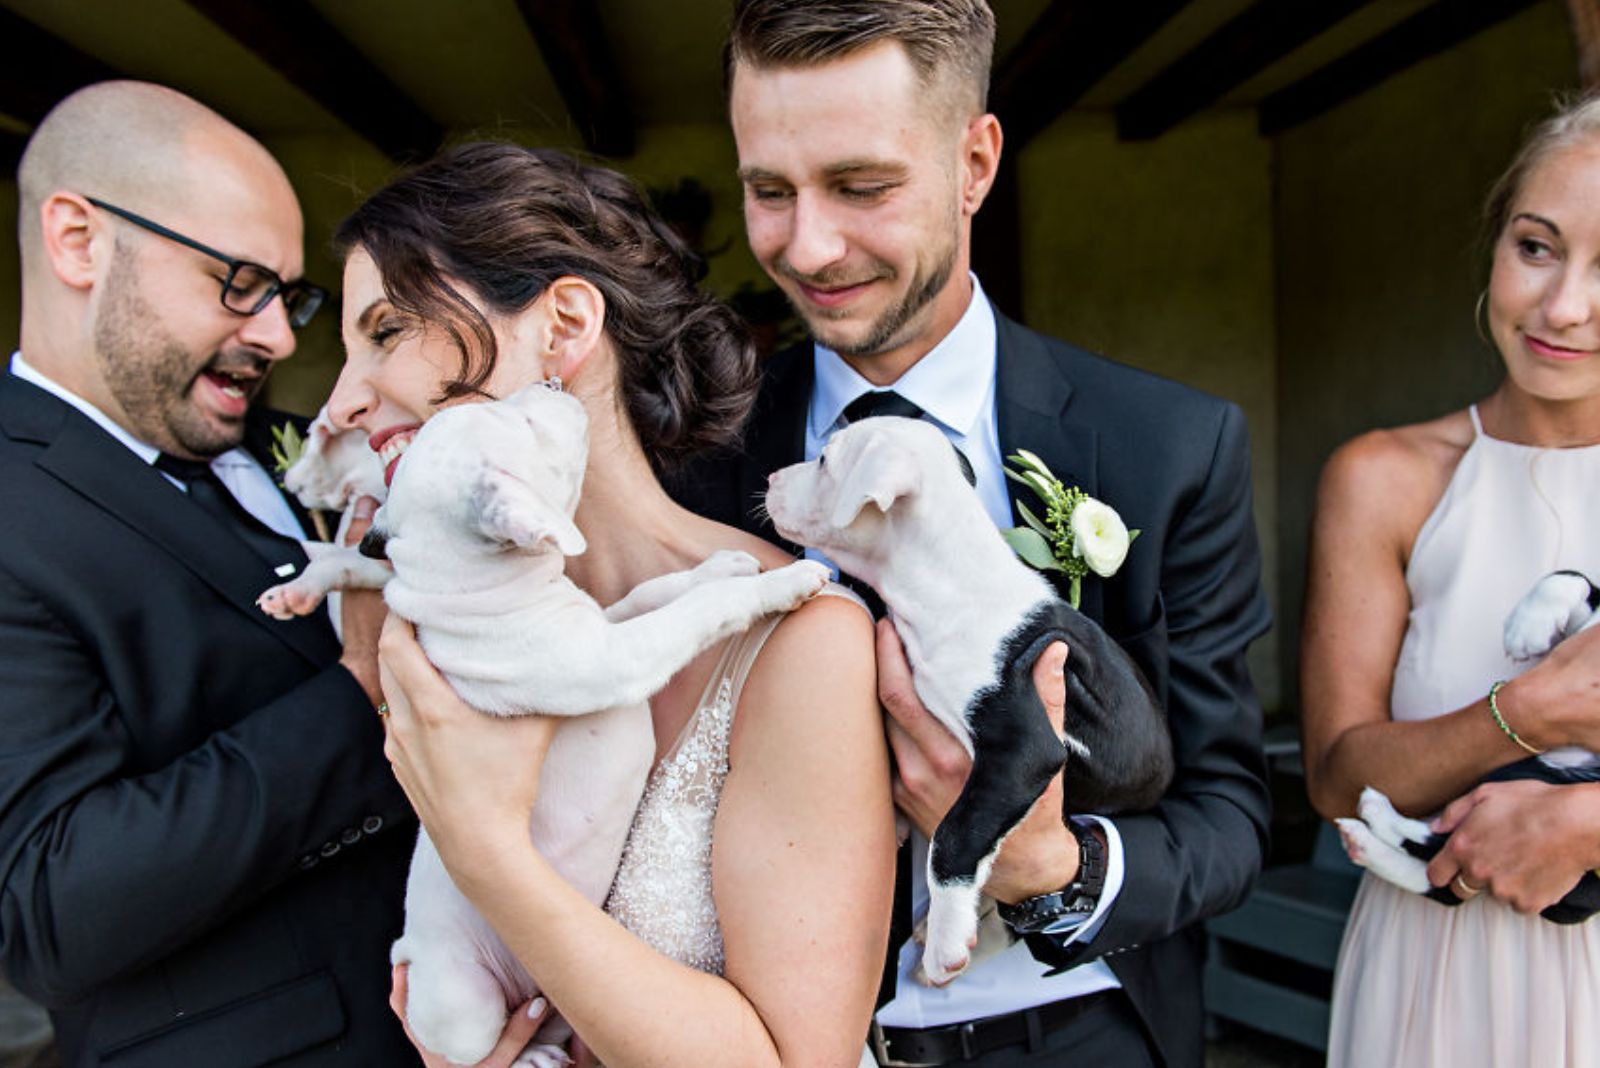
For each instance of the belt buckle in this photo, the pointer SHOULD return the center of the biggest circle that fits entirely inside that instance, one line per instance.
(880, 1048)
(880, 1051)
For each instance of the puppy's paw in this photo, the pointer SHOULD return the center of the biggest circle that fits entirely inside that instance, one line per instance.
(1390, 827)
(949, 935)
(727, 563)
(542, 1055)
(940, 965)
(454, 1009)
(289, 600)
(1557, 606)
(1355, 837)
(793, 584)
(1382, 859)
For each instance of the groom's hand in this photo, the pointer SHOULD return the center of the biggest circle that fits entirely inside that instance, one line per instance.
(1041, 855)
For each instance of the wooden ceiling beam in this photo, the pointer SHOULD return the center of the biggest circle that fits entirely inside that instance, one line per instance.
(296, 41)
(1069, 48)
(1430, 31)
(573, 42)
(1244, 47)
(41, 69)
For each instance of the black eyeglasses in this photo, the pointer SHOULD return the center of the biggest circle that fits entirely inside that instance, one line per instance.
(248, 287)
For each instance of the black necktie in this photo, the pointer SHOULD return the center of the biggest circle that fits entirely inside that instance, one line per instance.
(207, 490)
(888, 402)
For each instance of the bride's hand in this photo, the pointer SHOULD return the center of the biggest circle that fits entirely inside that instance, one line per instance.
(471, 777)
(521, 1026)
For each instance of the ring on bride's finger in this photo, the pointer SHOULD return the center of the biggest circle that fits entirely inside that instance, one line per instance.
(383, 710)
(1465, 889)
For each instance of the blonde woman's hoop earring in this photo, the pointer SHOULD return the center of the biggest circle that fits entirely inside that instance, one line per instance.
(1479, 321)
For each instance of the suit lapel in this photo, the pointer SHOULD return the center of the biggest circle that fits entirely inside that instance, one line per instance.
(1032, 396)
(776, 433)
(107, 474)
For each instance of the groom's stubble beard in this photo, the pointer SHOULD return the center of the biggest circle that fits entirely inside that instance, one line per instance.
(893, 327)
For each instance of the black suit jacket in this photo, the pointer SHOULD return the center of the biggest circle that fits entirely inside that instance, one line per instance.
(1186, 604)
(202, 849)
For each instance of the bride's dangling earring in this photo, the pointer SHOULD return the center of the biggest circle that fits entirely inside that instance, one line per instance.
(553, 383)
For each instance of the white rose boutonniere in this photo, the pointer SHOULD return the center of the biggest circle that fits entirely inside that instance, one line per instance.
(1078, 533)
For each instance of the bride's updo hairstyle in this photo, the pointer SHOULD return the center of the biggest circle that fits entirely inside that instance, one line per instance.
(500, 222)
(1575, 122)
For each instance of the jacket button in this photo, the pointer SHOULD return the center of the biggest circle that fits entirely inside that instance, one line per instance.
(308, 862)
(329, 849)
(372, 824)
(349, 836)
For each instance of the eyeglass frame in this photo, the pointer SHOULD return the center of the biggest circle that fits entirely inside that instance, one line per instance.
(276, 287)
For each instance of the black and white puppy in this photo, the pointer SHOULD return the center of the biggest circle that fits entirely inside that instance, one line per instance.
(1398, 849)
(887, 502)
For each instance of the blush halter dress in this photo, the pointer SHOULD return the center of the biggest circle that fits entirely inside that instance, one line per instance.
(1419, 984)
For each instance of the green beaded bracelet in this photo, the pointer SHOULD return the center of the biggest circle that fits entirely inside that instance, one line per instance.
(1500, 721)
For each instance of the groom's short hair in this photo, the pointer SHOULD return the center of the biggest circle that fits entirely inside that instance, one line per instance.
(949, 41)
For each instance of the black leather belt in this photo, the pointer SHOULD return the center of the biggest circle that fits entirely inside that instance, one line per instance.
(906, 1047)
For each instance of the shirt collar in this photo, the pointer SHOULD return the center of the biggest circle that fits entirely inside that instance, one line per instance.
(940, 383)
(148, 453)
(29, 373)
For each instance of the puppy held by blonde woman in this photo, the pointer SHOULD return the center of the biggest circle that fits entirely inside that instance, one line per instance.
(1426, 536)
(748, 920)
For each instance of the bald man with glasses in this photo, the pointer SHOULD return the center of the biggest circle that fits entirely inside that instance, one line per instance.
(202, 849)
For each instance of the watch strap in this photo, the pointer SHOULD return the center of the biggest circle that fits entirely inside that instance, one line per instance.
(1078, 898)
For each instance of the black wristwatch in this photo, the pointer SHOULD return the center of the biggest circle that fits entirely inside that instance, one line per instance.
(1079, 898)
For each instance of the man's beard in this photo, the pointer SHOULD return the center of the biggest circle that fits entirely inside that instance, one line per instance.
(883, 334)
(151, 374)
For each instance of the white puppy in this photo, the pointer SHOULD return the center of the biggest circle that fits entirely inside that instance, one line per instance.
(887, 502)
(477, 523)
(335, 469)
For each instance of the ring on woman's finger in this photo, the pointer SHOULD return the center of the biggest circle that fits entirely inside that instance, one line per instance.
(1464, 889)
(383, 710)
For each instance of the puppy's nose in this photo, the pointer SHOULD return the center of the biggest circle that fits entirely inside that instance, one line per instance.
(375, 543)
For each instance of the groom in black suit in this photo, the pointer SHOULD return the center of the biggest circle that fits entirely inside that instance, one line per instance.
(865, 151)
(202, 850)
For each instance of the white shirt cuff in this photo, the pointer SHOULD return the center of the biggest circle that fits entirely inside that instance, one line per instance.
(1070, 929)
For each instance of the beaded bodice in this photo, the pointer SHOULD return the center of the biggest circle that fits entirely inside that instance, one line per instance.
(662, 892)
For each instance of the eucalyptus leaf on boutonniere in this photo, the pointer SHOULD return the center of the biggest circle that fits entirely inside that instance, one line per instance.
(1078, 534)
(287, 445)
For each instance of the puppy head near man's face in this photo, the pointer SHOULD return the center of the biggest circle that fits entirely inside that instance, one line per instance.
(873, 475)
(335, 468)
(481, 479)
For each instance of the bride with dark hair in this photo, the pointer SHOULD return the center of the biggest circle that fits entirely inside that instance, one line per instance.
(748, 922)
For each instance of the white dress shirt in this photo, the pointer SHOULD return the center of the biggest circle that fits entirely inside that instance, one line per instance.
(246, 479)
(954, 385)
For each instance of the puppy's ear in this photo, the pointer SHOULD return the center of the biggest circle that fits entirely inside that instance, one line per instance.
(509, 510)
(880, 475)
